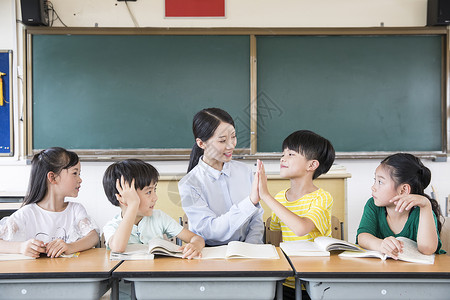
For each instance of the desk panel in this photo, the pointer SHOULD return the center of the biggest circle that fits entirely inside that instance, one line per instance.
(337, 277)
(205, 279)
(83, 277)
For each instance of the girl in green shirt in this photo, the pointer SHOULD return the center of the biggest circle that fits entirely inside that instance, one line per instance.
(399, 207)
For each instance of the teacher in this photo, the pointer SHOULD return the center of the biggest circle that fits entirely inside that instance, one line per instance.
(217, 194)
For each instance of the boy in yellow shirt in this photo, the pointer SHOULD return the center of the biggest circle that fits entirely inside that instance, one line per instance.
(302, 212)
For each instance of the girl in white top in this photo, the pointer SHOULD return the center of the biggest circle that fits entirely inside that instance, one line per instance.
(45, 223)
(217, 194)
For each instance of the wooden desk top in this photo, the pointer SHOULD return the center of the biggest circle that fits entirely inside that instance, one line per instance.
(92, 263)
(346, 267)
(177, 267)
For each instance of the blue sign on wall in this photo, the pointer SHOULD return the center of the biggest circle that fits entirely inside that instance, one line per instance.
(5, 103)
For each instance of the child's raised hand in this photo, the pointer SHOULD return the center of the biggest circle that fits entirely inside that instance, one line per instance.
(56, 247)
(127, 192)
(408, 201)
(32, 248)
(254, 193)
(391, 246)
(263, 190)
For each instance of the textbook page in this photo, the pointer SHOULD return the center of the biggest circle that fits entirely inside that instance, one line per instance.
(246, 250)
(162, 247)
(365, 253)
(217, 252)
(159, 246)
(330, 244)
(154, 247)
(410, 253)
(14, 256)
(321, 246)
(237, 249)
(132, 252)
(303, 248)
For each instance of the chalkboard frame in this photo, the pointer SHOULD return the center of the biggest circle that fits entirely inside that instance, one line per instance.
(253, 33)
(7, 57)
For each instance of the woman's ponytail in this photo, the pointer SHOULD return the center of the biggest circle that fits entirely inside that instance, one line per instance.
(196, 153)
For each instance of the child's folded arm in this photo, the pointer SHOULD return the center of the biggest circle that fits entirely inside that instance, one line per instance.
(195, 243)
(87, 242)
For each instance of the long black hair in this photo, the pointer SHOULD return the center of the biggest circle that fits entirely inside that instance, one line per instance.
(204, 125)
(54, 160)
(407, 168)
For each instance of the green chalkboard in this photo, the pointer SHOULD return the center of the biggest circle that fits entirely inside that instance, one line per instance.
(135, 91)
(364, 93)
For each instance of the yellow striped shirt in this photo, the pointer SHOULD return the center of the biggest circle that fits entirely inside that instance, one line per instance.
(315, 206)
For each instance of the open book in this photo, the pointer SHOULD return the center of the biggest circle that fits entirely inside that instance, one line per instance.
(237, 249)
(156, 246)
(18, 256)
(320, 247)
(162, 247)
(14, 256)
(410, 253)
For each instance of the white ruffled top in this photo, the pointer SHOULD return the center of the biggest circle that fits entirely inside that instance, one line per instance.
(32, 221)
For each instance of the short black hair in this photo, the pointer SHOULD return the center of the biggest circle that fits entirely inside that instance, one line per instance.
(313, 147)
(143, 174)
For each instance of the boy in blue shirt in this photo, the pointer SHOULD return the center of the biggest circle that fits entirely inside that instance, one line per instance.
(131, 185)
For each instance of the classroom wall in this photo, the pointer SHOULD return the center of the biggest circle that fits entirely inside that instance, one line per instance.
(249, 13)
(8, 41)
(7, 28)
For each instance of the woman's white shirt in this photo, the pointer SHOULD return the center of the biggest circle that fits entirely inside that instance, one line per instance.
(218, 206)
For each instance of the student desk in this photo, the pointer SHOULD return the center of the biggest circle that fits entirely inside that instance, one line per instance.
(175, 278)
(371, 278)
(84, 277)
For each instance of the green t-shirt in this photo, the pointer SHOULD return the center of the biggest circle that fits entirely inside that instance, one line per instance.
(374, 222)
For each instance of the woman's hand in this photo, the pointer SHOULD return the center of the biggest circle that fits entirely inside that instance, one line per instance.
(254, 193)
(262, 188)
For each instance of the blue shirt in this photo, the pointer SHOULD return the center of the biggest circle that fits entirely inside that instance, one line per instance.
(154, 226)
(218, 205)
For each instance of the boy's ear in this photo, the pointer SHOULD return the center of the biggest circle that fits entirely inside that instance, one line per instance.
(313, 165)
(200, 143)
(120, 199)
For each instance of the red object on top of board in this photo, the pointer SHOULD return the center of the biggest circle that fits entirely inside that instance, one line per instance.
(195, 8)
